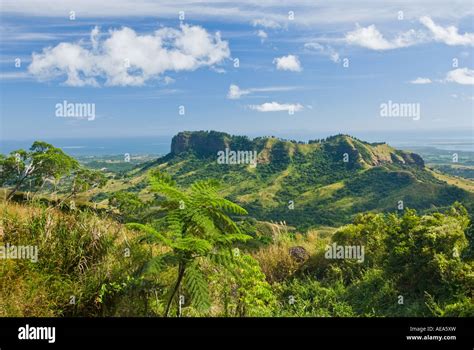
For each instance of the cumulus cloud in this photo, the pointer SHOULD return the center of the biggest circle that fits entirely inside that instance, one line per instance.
(277, 107)
(448, 35)
(369, 37)
(290, 62)
(127, 58)
(324, 50)
(421, 81)
(463, 76)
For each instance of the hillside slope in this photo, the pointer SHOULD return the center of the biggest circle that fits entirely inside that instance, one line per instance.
(322, 182)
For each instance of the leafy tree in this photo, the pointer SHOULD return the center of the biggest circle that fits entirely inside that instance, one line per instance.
(197, 231)
(41, 163)
(83, 180)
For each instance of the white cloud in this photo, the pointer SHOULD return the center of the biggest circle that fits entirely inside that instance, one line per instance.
(290, 62)
(95, 33)
(277, 107)
(463, 76)
(369, 37)
(219, 70)
(266, 23)
(324, 50)
(236, 92)
(127, 58)
(421, 81)
(308, 13)
(448, 35)
(463, 97)
(168, 80)
(14, 75)
(262, 35)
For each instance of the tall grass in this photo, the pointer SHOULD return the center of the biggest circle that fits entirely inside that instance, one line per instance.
(78, 254)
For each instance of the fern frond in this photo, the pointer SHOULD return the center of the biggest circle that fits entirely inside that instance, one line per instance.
(150, 233)
(197, 287)
(158, 263)
(230, 207)
(164, 185)
(201, 223)
(192, 244)
(175, 222)
(205, 186)
(227, 261)
(231, 238)
(225, 223)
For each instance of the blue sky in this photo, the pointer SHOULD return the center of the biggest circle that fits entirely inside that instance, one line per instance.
(137, 63)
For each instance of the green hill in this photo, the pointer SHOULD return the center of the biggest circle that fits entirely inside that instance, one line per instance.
(322, 182)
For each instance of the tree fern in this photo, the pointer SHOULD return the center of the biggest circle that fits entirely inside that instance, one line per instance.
(197, 228)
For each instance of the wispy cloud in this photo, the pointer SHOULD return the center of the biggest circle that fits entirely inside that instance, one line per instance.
(421, 81)
(262, 35)
(462, 76)
(266, 23)
(277, 107)
(235, 92)
(370, 38)
(247, 11)
(14, 76)
(448, 35)
(324, 50)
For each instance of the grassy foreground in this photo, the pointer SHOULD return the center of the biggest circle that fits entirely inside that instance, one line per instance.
(91, 265)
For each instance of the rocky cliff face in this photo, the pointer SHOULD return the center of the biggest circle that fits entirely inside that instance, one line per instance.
(202, 143)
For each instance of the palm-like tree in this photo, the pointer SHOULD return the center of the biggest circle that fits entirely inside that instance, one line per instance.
(198, 230)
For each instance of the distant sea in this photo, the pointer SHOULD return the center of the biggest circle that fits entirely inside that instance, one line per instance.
(160, 145)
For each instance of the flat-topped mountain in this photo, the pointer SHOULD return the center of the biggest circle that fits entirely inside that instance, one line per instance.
(349, 149)
(321, 182)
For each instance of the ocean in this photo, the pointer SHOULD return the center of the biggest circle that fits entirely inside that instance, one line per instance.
(160, 145)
